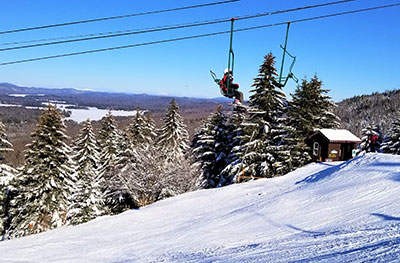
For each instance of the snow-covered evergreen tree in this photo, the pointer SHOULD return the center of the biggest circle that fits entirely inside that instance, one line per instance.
(118, 193)
(391, 143)
(87, 199)
(264, 151)
(371, 140)
(173, 137)
(141, 130)
(109, 141)
(46, 180)
(5, 145)
(210, 147)
(311, 108)
(234, 136)
(7, 173)
(139, 134)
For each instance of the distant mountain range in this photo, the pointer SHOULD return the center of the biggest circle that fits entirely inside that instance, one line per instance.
(8, 88)
(103, 100)
(356, 113)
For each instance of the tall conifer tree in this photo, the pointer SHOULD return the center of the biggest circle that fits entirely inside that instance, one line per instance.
(87, 199)
(391, 143)
(211, 147)
(235, 134)
(173, 137)
(141, 130)
(264, 151)
(46, 180)
(311, 108)
(7, 173)
(109, 141)
(137, 136)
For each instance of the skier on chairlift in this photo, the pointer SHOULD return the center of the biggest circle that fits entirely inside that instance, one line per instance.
(234, 87)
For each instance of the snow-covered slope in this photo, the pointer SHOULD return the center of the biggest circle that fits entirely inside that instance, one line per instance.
(347, 212)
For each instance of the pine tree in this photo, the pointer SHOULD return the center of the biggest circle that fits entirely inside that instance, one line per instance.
(173, 137)
(7, 173)
(110, 144)
(109, 140)
(234, 136)
(138, 135)
(264, 150)
(87, 199)
(211, 147)
(368, 142)
(141, 130)
(391, 143)
(325, 118)
(46, 179)
(5, 145)
(118, 193)
(311, 108)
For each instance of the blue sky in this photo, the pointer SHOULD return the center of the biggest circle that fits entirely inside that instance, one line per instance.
(353, 54)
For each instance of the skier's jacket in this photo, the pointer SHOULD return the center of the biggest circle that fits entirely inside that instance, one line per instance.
(374, 139)
(223, 83)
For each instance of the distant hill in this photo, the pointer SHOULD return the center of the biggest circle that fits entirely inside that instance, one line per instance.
(102, 100)
(356, 112)
(8, 88)
(376, 109)
(20, 121)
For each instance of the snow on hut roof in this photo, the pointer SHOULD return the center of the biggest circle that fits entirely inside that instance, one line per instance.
(339, 135)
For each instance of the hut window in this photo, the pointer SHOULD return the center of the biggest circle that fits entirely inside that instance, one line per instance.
(316, 149)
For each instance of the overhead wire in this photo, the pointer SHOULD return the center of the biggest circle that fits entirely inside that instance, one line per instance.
(199, 36)
(121, 33)
(116, 17)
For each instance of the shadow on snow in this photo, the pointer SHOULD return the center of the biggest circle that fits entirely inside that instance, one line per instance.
(386, 217)
(325, 173)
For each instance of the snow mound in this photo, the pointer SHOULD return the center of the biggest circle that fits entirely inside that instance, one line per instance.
(327, 212)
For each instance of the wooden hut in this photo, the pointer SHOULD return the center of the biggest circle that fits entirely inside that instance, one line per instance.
(332, 144)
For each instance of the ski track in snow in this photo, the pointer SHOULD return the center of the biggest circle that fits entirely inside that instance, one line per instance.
(328, 212)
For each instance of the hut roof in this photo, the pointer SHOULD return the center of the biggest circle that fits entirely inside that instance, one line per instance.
(338, 135)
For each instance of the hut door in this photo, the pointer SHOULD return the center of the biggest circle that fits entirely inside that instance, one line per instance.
(346, 151)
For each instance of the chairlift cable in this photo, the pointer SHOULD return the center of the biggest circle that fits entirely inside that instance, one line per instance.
(198, 36)
(161, 28)
(117, 17)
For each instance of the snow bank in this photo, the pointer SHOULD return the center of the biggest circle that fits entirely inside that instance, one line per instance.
(347, 212)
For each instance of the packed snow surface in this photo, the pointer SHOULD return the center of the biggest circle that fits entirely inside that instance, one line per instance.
(327, 212)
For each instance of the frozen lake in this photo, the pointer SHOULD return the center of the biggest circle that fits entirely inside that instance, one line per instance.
(80, 115)
(92, 113)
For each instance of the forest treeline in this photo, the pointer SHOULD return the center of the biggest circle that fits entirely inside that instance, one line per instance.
(64, 181)
(377, 109)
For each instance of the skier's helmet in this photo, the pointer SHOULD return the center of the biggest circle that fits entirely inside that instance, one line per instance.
(226, 71)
